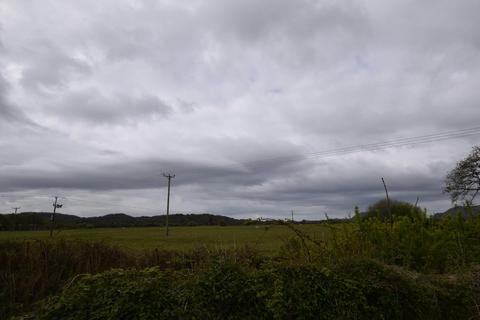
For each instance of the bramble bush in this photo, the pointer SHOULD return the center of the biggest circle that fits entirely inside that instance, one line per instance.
(277, 290)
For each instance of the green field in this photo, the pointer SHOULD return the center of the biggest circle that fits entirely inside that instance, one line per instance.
(264, 238)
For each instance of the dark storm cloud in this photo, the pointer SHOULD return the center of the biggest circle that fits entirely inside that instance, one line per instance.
(318, 183)
(359, 190)
(141, 174)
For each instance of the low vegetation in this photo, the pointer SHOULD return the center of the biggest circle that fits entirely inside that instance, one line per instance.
(408, 267)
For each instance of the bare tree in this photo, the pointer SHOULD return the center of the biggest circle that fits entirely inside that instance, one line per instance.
(463, 182)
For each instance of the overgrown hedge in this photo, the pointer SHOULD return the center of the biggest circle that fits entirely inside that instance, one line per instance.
(362, 290)
(33, 271)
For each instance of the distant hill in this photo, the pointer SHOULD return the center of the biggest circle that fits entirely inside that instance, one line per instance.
(41, 220)
(59, 217)
(455, 210)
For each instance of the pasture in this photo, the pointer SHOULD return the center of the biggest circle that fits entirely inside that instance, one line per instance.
(265, 238)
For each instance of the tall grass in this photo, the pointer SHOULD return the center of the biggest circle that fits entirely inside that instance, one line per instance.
(413, 241)
(33, 270)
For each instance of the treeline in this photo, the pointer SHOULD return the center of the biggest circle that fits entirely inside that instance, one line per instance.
(41, 221)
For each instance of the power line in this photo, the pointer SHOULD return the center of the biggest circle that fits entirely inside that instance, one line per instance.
(399, 142)
(78, 200)
(402, 142)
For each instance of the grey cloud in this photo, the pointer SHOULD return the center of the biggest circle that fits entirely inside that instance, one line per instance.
(12, 116)
(293, 188)
(94, 107)
(130, 175)
(300, 22)
(433, 25)
(51, 68)
(7, 112)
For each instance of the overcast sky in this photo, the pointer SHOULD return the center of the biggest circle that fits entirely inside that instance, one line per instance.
(98, 98)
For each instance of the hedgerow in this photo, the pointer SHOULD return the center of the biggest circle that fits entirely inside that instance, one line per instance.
(362, 290)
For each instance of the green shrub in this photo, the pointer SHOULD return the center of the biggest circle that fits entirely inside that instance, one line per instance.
(228, 291)
(280, 290)
(392, 292)
(121, 294)
(309, 292)
(447, 245)
(381, 210)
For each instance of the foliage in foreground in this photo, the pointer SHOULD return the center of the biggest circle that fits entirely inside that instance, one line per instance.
(409, 267)
(32, 271)
(410, 240)
(360, 290)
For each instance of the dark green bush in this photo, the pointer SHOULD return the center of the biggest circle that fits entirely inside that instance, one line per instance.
(310, 292)
(228, 291)
(355, 290)
(382, 209)
(392, 292)
(121, 294)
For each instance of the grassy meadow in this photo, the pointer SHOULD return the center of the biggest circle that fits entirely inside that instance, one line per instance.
(265, 238)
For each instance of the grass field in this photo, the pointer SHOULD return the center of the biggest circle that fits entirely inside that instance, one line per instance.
(264, 238)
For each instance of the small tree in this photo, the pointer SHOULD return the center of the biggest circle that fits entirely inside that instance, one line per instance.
(463, 182)
(381, 210)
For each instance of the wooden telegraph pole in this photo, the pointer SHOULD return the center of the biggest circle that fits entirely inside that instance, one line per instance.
(169, 177)
(388, 203)
(52, 217)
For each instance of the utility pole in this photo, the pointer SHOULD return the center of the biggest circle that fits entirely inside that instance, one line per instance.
(16, 209)
(388, 203)
(52, 217)
(169, 177)
(416, 203)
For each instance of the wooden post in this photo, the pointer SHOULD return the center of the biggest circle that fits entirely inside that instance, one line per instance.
(52, 217)
(169, 176)
(388, 203)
